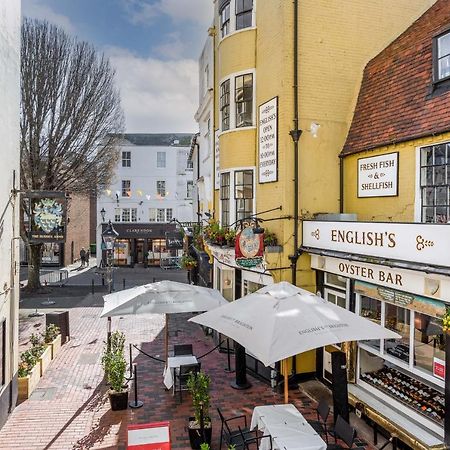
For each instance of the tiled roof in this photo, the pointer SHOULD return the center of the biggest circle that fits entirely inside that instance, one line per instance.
(158, 140)
(396, 101)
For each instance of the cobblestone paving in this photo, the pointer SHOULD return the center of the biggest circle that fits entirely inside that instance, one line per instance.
(70, 409)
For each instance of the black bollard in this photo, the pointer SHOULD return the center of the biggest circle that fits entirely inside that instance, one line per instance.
(137, 403)
(240, 366)
(131, 361)
(123, 283)
(228, 369)
(92, 286)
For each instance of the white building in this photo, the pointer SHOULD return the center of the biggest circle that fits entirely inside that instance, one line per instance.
(152, 186)
(202, 152)
(9, 204)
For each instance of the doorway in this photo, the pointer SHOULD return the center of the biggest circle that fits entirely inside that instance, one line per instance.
(139, 255)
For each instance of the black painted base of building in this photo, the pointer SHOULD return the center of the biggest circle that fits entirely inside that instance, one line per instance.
(8, 400)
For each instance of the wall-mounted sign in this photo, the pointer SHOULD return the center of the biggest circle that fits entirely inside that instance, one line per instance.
(174, 240)
(216, 161)
(422, 243)
(47, 216)
(378, 176)
(439, 368)
(249, 248)
(268, 141)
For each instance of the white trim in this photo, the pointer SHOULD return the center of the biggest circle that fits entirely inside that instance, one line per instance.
(336, 293)
(234, 130)
(417, 199)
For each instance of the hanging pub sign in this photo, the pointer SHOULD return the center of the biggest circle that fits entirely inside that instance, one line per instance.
(47, 216)
(249, 248)
(174, 240)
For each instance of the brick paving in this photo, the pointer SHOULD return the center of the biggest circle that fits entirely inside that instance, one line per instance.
(70, 409)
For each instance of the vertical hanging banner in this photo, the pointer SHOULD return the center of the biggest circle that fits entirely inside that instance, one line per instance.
(47, 216)
(216, 160)
(268, 141)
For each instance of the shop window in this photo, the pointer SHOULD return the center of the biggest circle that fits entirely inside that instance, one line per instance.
(189, 189)
(161, 159)
(429, 342)
(126, 159)
(117, 214)
(134, 214)
(243, 14)
(334, 280)
(225, 105)
(122, 255)
(125, 214)
(225, 19)
(152, 215)
(225, 198)
(434, 182)
(161, 215)
(251, 286)
(126, 188)
(244, 100)
(2, 352)
(169, 214)
(441, 57)
(397, 319)
(371, 309)
(243, 193)
(225, 283)
(337, 298)
(161, 188)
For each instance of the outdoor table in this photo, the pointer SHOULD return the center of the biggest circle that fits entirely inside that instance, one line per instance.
(174, 362)
(288, 428)
(149, 436)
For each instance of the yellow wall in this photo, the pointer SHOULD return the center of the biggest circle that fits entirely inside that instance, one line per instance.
(387, 209)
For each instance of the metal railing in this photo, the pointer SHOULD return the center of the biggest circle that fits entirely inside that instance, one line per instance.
(58, 276)
(170, 262)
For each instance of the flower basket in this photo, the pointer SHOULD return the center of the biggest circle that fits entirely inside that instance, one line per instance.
(188, 262)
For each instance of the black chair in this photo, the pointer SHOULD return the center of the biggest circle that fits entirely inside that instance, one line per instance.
(252, 440)
(232, 436)
(320, 425)
(182, 375)
(182, 349)
(344, 431)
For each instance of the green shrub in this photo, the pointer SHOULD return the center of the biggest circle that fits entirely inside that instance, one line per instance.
(50, 333)
(27, 361)
(114, 363)
(198, 385)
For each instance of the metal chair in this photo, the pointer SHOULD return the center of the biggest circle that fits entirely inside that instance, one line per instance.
(344, 431)
(232, 436)
(320, 425)
(182, 349)
(252, 440)
(182, 376)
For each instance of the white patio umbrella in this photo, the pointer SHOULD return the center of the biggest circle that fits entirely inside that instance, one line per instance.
(282, 320)
(162, 297)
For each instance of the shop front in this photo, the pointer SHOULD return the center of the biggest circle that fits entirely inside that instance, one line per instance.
(402, 284)
(143, 244)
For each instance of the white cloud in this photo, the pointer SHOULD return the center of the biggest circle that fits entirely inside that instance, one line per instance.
(198, 12)
(35, 9)
(157, 96)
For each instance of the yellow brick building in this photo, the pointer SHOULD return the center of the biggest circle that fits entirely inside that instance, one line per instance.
(255, 55)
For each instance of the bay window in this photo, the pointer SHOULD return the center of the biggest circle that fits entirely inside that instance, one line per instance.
(244, 100)
(244, 13)
(225, 104)
(225, 198)
(225, 19)
(243, 193)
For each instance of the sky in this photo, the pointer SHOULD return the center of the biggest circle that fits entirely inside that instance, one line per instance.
(154, 45)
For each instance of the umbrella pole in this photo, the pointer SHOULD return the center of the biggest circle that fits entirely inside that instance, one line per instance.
(166, 339)
(286, 381)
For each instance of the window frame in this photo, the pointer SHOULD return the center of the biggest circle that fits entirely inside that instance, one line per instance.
(251, 200)
(169, 216)
(117, 215)
(436, 58)
(225, 105)
(225, 25)
(161, 189)
(152, 215)
(126, 158)
(125, 191)
(225, 198)
(242, 13)
(161, 163)
(160, 214)
(244, 101)
(126, 213)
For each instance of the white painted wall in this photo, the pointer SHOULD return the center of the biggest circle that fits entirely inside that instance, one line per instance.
(204, 152)
(9, 135)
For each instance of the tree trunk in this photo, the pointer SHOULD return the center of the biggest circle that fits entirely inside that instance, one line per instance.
(34, 267)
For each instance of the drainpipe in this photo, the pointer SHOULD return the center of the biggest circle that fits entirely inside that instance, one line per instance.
(341, 185)
(295, 134)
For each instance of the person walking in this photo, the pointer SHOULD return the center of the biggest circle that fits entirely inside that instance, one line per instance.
(83, 256)
(88, 255)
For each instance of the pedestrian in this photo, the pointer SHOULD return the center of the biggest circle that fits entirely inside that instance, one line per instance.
(83, 256)
(88, 255)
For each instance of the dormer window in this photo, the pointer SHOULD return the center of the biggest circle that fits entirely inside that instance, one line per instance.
(442, 57)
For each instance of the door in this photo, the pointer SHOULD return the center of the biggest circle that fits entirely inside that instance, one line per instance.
(139, 251)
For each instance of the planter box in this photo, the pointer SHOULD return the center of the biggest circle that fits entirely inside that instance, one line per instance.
(55, 345)
(28, 384)
(45, 359)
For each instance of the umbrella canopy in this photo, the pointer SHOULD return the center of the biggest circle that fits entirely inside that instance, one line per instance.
(161, 297)
(282, 320)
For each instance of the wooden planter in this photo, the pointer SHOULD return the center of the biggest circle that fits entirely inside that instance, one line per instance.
(55, 345)
(28, 384)
(45, 359)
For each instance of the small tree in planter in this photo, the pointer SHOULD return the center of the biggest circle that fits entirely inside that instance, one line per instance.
(200, 427)
(115, 367)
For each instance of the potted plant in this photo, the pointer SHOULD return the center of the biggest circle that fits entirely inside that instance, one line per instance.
(230, 237)
(200, 427)
(115, 366)
(271, 243)
(42, 352)
(52, 337)
(188, 262)
(28, 374)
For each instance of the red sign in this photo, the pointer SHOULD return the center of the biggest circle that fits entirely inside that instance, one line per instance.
(149, 436)
(439, 368)
(249, 248)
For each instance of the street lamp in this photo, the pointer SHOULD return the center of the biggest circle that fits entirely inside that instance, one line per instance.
(102, 213)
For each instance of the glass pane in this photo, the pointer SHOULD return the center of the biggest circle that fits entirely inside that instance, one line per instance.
(439, 154)
(336, 280)
(426, 156)
(428, 215)
(397, 319)
(428, 341)
(444, 45)
(441, 215)
(248, 177)
(428, 196)
(439, 175)
(441, 195)
(341, 301)
(444, 67)
(331, 297)
(371, 309)
(426, 176)
(239, 177)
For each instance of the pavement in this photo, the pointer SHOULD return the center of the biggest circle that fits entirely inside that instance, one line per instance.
(70, 409)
